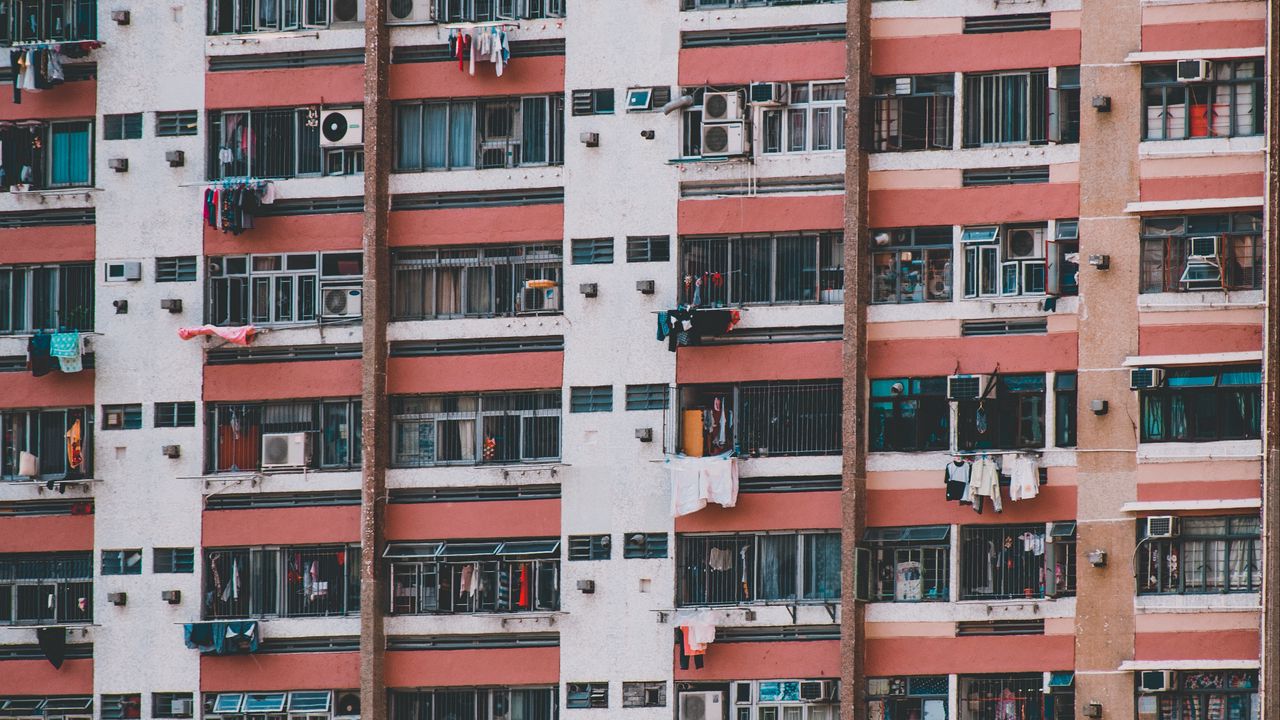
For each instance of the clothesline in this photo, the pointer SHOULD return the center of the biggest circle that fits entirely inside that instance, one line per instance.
(48, 45)
(502, 24)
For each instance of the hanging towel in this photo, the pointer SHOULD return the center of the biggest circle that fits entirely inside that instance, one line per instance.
(38, 357)
(1024, 478)
(686, 485)
(75, 450)
(720, 479)
(66, 347)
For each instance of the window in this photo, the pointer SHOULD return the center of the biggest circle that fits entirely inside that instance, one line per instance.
(1201, 695)
(1008, 108)
(264, 143)
(477, 282)
(911, 265)
(46, 589)
(1203, 252)
(1004, 260)
(48, 20)
(475, 429)
(910, 564)
(277, 289)
(578, 696)
(597, 398)
(909, 414)
(235, 433)
(1062, 275)
(987, 697)
(176, 269)
(812, 121)
(905, 697)
(913, 113)
(764, 269)
(593, 102)
(177, 123)
(175, 414)
(1200, 404)
(532, 703)
(122, 562)
(1209, 555)
(122, 417)
(173, 561)
(592, 251)
(644, 545)
(121, 707)
(766, 699)
(777, 418)
(38, 156)
(469, 576)
(1064, 107)
(285, 582)
(172, 705)
(42, 433)
(644, 694)
(646, 99)
(228, 17)
(46, 297)
(1228, 102)
(122, 127)
(1011, 416)
(487, 10)
(1064, 403)
(479, 133)
(648, 248)
(589, 547)
(647, 397)
(777, 566)
(1012, 561)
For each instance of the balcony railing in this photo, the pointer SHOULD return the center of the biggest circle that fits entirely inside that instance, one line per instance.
(764, 419)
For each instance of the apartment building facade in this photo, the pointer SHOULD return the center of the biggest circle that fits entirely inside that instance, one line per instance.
(365, 415)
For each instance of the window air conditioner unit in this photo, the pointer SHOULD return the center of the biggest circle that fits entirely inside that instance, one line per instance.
(1024, 244)
(410, 13)
(1194, 70)
(348, 705)
(970, 387)
(341, 128)
(723, 139)
(1162, 526)
(1204, 247)
(1154, 681)
(340, 301)
(1145, 378)
(816, 691)
(701, 706)
(285, 450)
(770, 94)
(124, 271)
(721, 106)
(181, 707)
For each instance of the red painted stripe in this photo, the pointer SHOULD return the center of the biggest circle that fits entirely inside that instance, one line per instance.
(974, 205)
(767, 511)
(889, 508)
(1192, 339)
(975, 53)
(525, 76)
(788, 62)
(1204, 35)
(1229, 489)
(477, 226)
(1190, 645)
(758, 361)
(764, 660)
(469, 668)
(287, 671)
(282, 381)
(281, 526)
(65, 243)
(284, 88)
(937, 655)
(475, 373)
(944, 356)
(77, 99)
(295, 233)
(761, 214)
(38, 677)
(1198, 188)
(46, 533)
(20, 390)
(447, 521)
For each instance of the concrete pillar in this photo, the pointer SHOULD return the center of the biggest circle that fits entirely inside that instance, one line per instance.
(1270, 679)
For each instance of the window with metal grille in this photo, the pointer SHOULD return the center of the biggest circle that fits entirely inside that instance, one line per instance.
(43, 433)
(173, 561)
(177, 123)
(180, 268)
(122, 562)
(1011, 417)
(275, 289)
(911, 265)
(516, 427)
(539, 703)
(1186, 253)
(913, 112)
(644, 545)
(121, 707)
(493, 132)
(1006, 108)
(909, 414)
(56, 21)
(592, 251)
(492, 281)
(803, 267)
(1064, 394)
(1203, 404)
(57, 154)
(994, 696)
(586, 695)
(648, 248)
(519, 576)
(598, 398)
(904, 697)
(172, 705)
(281, 582)
(590, 547)
(122, 127)
(759, 419)
(264, 143)
(812, 121)
(644, 694)
(236, 434)
(910, 564)
(1196, 694)
(1017, 561)
(800, 567)
(1207, 555)
(1226, 101)
(238, 17)
(46, 297)
(175, 414)
(122, 417)
(46, 588)
(647, 397)
(593, 102)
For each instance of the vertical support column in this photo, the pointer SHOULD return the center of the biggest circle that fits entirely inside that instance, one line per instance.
(1271, 348)
(373, 396)
(857, 293)
(1106, 475)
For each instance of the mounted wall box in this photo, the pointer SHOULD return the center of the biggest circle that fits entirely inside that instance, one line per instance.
(645, 286)
(1102, 262)
(120, 17)
(644, 434)
(175, 158)
(587, 586)
(118, 164)
(589, 289)
(117, 598)
(121, 306)
(127, 271)
(173, 597)
(173, 305)
(1093, 710)
(1099, 407)
(171, 451)
(590, 139)
(1102, 103)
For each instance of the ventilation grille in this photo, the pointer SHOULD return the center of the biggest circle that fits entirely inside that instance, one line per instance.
(788, 484)
(282, 500)
(283, 646)
(473, 642)
(754, 336)
(983, 24)
(773, 36)
(1006, 176)
(765, 186)
(484, 198)
(791, 633)
(281, 61)
(283, 353)
(18, 363)
(484, 346)
(79, 651)
(978, 328)
(999, 627)
(47, 218)
(440, 53)
(475, 494)
(315, 206)
(34, 508)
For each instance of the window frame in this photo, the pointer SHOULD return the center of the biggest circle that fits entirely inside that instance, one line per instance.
(762, 416)
(890, 276)
(1198, 703)
(46, 578)
(891, 549)
(782, 121)
(294, 157)
(529, 421)
(48, 298)
(269, 582)
(1161, 79)
(1010, 404)
(987, 263)
(938, 111)
(1223, 396)
(233, 429)
(908, 407)
(514, 144)
(1171, 558)
(980, 102)
(23, 431)
(1165, 250)
(805, 582)
(751, 269)
(234, 297)
(509, 266)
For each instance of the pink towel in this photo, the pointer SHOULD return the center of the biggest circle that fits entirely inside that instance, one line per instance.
(239, 335)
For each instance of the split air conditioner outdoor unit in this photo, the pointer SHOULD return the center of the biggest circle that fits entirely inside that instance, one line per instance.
(721, 106)
(341, 128)
(701, 706)
(285, 450)
(723, 139)
(341, 301)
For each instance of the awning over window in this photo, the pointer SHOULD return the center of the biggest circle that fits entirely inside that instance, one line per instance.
(980, 234)
(228, 703)
(412, 550)
(1065, 530)
(928, 533)
(1061, 679)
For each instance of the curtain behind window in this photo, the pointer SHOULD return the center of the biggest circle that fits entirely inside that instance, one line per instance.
(69, 156)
